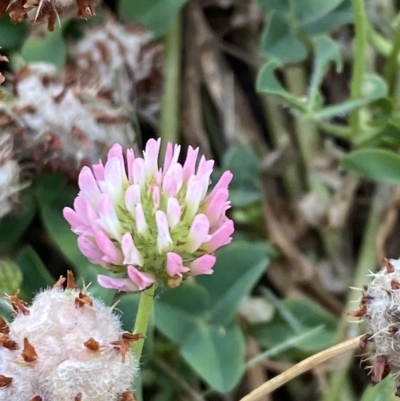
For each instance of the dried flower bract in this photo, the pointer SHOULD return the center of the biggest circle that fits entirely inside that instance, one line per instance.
(42, 11)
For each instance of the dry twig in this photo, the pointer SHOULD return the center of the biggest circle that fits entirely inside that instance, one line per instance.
(302, 367)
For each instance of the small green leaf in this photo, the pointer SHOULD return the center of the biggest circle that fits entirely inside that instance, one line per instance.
(50, 48)
(10, 276)
(35, 274)
(378, 164)
(278, 37)
(341, 15)
(309, 316)
(181, 311)
(294, 341)
(311, 10)
(6, 309)
(326, 51)
(238, 268)
(374, 88)
(268, 82)
(157, 15)
(282, 6)
(244, 164)
(380, 392)
(12, 36)
(14, 225)
(217, 354)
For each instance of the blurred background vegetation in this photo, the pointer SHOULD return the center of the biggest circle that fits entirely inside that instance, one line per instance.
(298, 98)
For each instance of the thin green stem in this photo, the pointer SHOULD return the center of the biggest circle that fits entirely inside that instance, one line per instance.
(280, 135)
(360, 48)
(306, 132)
(379, 42)
(392, 62)
(367, 261)
(169, 118)
(341, 131)
(143, 317)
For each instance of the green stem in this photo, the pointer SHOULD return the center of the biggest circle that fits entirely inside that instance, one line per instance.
(280, 137)
(169, 118)
(380, 43)
(360, 48)
(391, 64)
(307, 135)
(143, 317)
(341, 131)
(367, 261)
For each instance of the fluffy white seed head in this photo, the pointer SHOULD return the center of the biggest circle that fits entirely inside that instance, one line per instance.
(380, 307)
(66, 346)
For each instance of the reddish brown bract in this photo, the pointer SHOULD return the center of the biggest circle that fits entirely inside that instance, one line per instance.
(82, 300)
(28, 353)
(47, 11)
(127, 396)
(380, 368)
(5, 381)
(18, 305)
(92, 344)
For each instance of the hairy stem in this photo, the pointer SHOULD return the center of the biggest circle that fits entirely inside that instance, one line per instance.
(143, 317)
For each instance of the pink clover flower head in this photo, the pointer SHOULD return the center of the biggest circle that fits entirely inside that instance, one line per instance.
(150, 221)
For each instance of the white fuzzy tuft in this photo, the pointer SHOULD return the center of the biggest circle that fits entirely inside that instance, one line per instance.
(57, 329)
